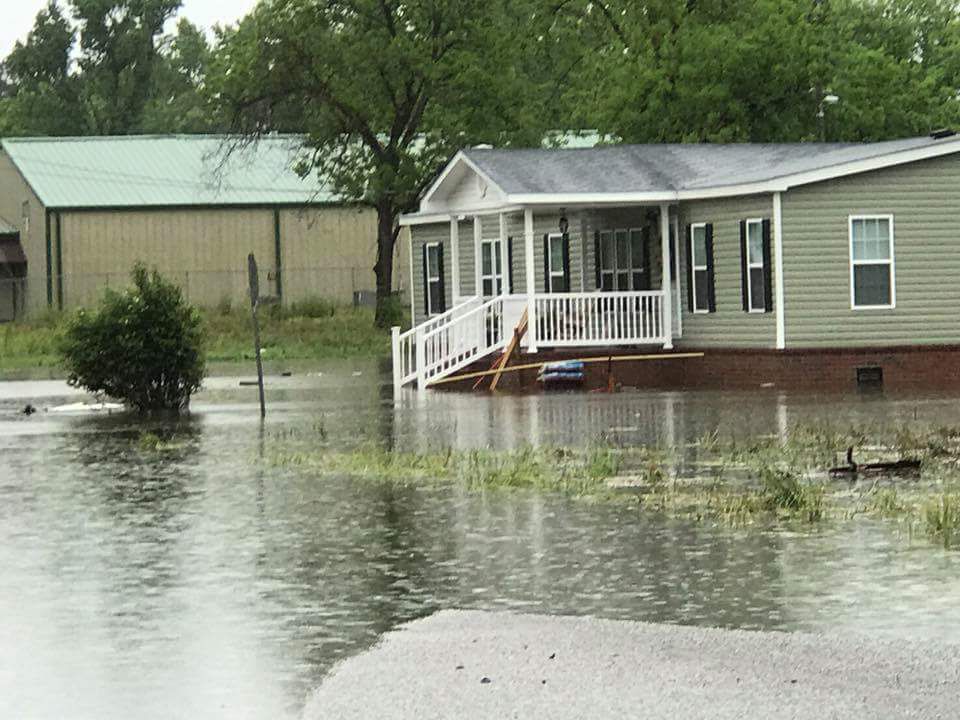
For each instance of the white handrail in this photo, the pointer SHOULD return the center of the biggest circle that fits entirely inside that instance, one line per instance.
(405, 353)
(462, 340)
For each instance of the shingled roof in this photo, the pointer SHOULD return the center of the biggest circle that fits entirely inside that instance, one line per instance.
(618, 168)
(163, 171)
(656, 173)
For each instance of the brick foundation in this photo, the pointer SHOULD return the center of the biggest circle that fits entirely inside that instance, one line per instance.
(903, 368)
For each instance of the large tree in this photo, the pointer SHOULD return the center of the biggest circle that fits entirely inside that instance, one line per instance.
(40, 94)
(119, 54)
(385, 91)
(758, 70)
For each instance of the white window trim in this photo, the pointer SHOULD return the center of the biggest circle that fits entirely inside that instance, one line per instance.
(891, 261)
(694, 267)
(432, 279)
(617, 270)
(495, 277)
(754, 266)
(551, 273)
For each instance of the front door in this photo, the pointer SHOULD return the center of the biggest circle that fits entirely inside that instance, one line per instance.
(556, 263)
(491, 269)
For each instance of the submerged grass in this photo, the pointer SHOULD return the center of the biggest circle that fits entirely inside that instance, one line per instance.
(729, 480)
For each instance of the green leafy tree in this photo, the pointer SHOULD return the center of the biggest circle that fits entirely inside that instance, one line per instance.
(40, 95)
(119, 54)
(177, 101)
(385, 91)
(143, 346)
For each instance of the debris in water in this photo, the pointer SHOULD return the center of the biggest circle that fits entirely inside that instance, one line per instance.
(81, 408)
(29, 410)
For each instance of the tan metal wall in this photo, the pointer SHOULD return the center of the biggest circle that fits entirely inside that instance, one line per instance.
(326, 252)
(20, 207)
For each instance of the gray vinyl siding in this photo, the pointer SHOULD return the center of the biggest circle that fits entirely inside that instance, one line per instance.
(548, 224)
(729, 326)
(518, 267)
(468, 281)
(420, 236)
(924, 199)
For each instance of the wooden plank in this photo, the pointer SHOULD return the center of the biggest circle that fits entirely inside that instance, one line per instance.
(604, 358)
(518, 334)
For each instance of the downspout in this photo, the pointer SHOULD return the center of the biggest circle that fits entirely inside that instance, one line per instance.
(47, 218)
(277, 253)
(59, 264)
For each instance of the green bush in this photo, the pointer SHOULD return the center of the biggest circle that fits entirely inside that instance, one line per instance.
(142, 346)
(312, 307)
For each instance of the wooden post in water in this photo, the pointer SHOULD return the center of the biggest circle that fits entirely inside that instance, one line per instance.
(254, 306)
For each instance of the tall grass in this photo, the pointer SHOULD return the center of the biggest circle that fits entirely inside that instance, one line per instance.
(305, 330)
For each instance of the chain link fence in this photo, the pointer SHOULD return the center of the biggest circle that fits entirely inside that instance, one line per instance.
(23, 298)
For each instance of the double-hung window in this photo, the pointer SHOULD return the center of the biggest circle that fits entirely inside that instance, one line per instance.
(433, 278)
(623, 260)
(756, 297)
(872, 282)
(491, 268)
(700, 268)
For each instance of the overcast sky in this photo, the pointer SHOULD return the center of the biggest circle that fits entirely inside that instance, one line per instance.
(16, 16)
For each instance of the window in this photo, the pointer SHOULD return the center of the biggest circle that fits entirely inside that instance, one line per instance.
(433, 278)
(623, 260)
(756, 297)
(871, 262)
(556, 264)
(700, 268)
(491, 268)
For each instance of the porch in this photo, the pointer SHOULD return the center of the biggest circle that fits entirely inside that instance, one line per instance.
(597, 277)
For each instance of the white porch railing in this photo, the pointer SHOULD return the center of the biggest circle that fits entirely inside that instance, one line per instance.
(461, 341)
(474, 328)
(599, 318)
(445, 343)
(405, 354)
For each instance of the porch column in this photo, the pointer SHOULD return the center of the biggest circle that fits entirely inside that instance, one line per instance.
(455, 259)
(666, 309)
(778, 270)
(477, 259)
(505, 254)
(531, 280)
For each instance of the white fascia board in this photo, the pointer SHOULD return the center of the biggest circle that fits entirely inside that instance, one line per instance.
(428, 218)
(459, 159)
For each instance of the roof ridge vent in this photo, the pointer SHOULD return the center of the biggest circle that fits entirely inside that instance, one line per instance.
(941, 133)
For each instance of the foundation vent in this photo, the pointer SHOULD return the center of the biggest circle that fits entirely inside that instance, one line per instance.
(870, 377)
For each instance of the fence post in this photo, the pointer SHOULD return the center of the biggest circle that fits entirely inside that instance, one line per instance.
(421, 360)
(397, 360)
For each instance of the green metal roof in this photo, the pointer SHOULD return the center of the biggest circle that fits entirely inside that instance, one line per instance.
(163, 171)
(6, 228)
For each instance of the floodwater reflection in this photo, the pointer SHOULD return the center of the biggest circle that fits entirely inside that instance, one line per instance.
(192, 579)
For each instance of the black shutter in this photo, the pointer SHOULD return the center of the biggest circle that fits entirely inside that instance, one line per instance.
(711, 292)
(645, 241)
(443, 282)
(596, 260)
(566, 261)
(426, 283)
(546, 263)
(744, 267)
(509, 268)
(689, 256)
(767, 269)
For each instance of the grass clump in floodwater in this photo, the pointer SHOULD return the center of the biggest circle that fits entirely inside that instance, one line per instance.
(717, 478)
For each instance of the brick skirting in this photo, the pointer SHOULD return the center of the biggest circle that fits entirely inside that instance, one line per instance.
(913, 367)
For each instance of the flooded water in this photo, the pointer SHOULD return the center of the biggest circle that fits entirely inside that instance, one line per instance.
(201, 582)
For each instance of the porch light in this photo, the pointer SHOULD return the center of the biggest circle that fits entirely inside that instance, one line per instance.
(564, 224)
